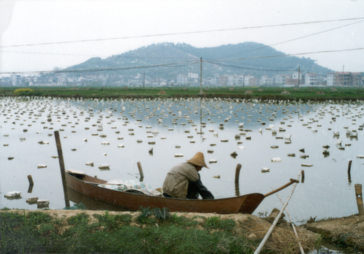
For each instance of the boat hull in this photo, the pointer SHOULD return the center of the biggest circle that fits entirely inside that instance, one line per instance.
(88, 186)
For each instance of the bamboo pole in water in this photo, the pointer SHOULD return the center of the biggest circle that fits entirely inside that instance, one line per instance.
(31, 183)
(61, 165)
(349, 171)
(359, 198)
(140, 171)
(237, 174)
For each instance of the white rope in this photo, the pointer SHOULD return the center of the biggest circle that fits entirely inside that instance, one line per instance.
(270, 230)
(293, 227)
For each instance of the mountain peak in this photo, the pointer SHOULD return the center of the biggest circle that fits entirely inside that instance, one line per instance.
(168, 60)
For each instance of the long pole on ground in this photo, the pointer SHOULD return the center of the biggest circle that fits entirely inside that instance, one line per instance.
(293, 227)
(267, 235)
(61, 165)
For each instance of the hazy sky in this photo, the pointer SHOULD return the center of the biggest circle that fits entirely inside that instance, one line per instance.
(42, 21)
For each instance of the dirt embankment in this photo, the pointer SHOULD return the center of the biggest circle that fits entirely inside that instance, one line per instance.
(345, 232)
(252, 227)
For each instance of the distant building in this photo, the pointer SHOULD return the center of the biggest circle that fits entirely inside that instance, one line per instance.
(312, 79)
(182, 79)
(345, 79)
(280, 79)
(250, 80)
(297, 75)
(266, 80)
(192, 75)
(223, 80)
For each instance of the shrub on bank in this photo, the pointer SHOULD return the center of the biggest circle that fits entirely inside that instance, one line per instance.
(23, 91)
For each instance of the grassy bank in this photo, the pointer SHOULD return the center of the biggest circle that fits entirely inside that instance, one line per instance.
(264, 93)
(146, 231)
(38, 232)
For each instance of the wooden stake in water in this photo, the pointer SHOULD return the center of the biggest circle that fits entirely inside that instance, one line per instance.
(30, 179)
(359, 198)
(349, 171)
(61, 165)
(302, 176)
(237, 174)
(140, 171)
(31, 183)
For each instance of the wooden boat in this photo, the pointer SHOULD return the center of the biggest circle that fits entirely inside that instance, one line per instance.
(89, 186)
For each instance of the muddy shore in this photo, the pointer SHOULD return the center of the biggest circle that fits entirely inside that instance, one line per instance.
(347, 232)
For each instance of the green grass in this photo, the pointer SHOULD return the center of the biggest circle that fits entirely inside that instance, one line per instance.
(216, 223)
(263, 93)
(37, 232)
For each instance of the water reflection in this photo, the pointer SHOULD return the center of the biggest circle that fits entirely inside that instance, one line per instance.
(89, 203)
(273, 141)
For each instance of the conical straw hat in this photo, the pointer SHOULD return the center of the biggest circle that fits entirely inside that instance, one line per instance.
(198, 159)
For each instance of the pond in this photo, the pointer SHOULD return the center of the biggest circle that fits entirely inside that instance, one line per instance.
(273, 141)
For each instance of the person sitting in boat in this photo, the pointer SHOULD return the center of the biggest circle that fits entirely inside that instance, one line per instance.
(183, 180)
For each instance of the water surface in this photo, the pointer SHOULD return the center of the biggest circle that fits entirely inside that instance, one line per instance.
(119, 133)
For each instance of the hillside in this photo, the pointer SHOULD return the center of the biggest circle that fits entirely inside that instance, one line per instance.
(139, 66)
(254, 58)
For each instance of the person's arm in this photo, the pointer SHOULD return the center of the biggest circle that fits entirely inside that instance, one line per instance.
(201, 189)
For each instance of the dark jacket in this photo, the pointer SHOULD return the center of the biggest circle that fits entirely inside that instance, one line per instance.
(197, 188)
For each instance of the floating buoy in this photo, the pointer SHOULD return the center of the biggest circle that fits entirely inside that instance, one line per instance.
(41, 166)
(32, 200)
(177, 155)
(104, 167)
(212, 161)
(217, 176)
(13, 195)
(306, 165)
(265, 170)
(42, 203)
(276, 159)
(150, 151)
(91, 164)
